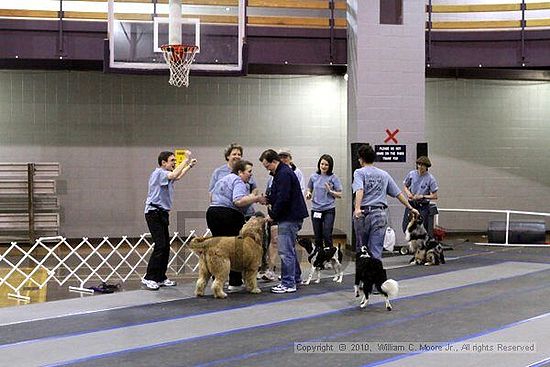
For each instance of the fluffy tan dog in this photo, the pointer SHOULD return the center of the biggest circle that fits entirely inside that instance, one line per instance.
(218, 255)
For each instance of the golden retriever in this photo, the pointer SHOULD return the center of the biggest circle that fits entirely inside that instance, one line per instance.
(218, 255)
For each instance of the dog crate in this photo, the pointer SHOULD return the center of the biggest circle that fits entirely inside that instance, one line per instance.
(520, 232)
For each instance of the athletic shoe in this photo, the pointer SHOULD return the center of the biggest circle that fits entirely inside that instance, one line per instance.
(150, 284)
(269, 276)
(283, 289)
(167, 283)
(235, 288)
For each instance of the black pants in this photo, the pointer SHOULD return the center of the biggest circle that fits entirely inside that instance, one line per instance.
(322, 227)
(157, 221)
(226, 222)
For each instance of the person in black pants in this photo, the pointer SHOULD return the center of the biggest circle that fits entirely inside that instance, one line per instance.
(420, 186)
(323, 188)
(157, 208)
(225, 216)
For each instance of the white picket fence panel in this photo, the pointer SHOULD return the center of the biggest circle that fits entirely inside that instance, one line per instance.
(85, 262)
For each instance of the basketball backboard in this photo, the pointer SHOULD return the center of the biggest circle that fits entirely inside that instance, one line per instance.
(138, 29)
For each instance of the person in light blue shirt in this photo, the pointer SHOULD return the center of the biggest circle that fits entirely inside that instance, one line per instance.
(420, 186)
(228, 190)
(371, 186)
(157, 206)
(323, 188)
(232, 154)
(226, 214)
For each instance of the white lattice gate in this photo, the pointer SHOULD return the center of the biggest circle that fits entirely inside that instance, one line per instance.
(105, 261)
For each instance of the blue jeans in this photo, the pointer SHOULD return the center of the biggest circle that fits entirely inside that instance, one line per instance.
(290, 267)
(373, 229)
(322, 227)
(359, 229)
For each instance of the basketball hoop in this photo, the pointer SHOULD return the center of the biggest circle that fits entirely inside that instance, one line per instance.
(179, 58)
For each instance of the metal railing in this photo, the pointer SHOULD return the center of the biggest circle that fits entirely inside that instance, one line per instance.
(105, 261)
(444, 15)
(508, 214)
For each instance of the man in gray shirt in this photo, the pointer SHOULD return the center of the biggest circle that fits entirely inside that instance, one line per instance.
(371, 185)
(157, 206)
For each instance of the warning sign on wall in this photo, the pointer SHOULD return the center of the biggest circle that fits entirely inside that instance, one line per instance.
(180, 156)
(391, 153)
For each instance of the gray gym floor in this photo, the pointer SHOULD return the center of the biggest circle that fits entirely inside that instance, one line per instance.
(483, 296)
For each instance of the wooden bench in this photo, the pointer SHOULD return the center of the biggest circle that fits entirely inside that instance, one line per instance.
(28, 203)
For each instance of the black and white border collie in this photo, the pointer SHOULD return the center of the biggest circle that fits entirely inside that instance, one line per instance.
(319, 257)
(426, 250)
(370, 272)
(417, 236)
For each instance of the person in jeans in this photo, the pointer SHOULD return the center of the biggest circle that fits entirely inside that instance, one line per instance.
(288, 208)
(225, 215)
(157, 207)
(420, 186)
(323, 188)
(267, 269)
(371, 185)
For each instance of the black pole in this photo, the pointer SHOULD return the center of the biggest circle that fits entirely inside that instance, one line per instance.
(429, 55)
(331, 25)
(60, 22)
(523, 6)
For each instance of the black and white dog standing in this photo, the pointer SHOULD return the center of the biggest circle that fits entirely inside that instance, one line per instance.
(371, 273)
(319, 257)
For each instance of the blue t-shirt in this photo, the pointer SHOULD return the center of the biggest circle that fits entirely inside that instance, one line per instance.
(227, 190)
(161, 190)
(223, 171)
(320, 198)
(376, 184)
(420, 184)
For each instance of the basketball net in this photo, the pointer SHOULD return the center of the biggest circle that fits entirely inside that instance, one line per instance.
(179, 59)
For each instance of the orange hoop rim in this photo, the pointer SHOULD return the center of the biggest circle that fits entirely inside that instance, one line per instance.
(179, 49)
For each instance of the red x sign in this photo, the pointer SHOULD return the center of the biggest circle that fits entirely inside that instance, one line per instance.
(391, 136)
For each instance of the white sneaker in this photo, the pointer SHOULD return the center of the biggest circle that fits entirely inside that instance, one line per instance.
(167, 283)
(269, 276)
(150, 284)
(282, 289)
(235, 288)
